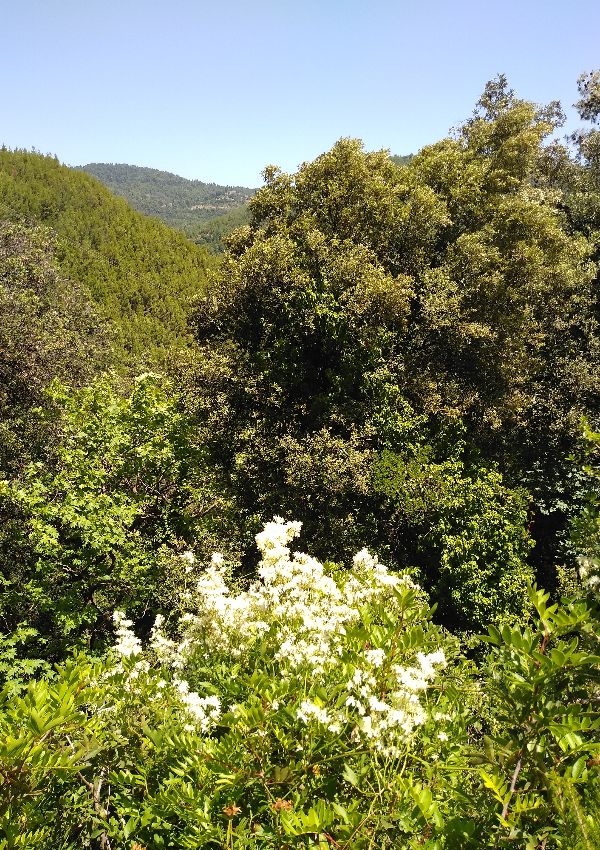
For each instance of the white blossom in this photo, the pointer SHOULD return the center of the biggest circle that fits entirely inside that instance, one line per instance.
(302, 616)
(205, 711)
(127, 643)
(309, 710)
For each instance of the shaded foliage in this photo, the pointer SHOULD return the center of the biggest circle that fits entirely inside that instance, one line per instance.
(49, 328)
(100, 523)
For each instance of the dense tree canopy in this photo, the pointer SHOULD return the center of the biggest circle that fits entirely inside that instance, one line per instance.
(49, 328)
(368, 302)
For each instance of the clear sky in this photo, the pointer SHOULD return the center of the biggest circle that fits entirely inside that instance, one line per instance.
(217, 90)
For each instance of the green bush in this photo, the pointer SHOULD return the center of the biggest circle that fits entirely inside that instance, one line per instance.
(315, 707)
(101, 522)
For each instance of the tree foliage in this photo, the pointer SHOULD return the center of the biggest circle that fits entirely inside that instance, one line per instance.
(49, 328)
(101, 522)
(366, 297)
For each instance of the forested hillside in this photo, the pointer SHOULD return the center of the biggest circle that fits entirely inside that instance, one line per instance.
(181, 203)
(141, 274)
(212, 234)
(397, 364)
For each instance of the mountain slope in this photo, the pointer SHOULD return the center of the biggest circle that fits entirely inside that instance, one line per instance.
(141, 273)
(175, 200)
(212, 234)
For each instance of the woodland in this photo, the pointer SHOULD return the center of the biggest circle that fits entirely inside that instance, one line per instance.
(187, 205)
(393, 367)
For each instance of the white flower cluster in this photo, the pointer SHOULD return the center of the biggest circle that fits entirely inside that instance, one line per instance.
(382, 723)
(163, 647)
(205, 711)
(304, 620)
(589, 572)
(302, 615)
(127, 643)
(309, 710)
(303, 612)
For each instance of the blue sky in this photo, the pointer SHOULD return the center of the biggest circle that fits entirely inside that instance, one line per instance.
(217, 90)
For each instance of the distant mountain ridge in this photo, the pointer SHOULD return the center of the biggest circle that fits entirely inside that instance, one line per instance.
(179, 202)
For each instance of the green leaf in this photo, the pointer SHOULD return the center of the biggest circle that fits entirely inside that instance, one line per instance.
(350, 776)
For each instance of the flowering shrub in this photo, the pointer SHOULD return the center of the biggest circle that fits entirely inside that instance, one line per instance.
(297, 689)
(313, 707)
(358, 631)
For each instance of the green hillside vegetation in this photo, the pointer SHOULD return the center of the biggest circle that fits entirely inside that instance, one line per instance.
(401, 160)
(49, 329)
(335, 583)
(141, 274)
(205, 212)
(180, 203)
(213, 234)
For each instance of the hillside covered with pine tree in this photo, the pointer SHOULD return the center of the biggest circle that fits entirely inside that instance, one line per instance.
(179, 202)
(141, 274)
